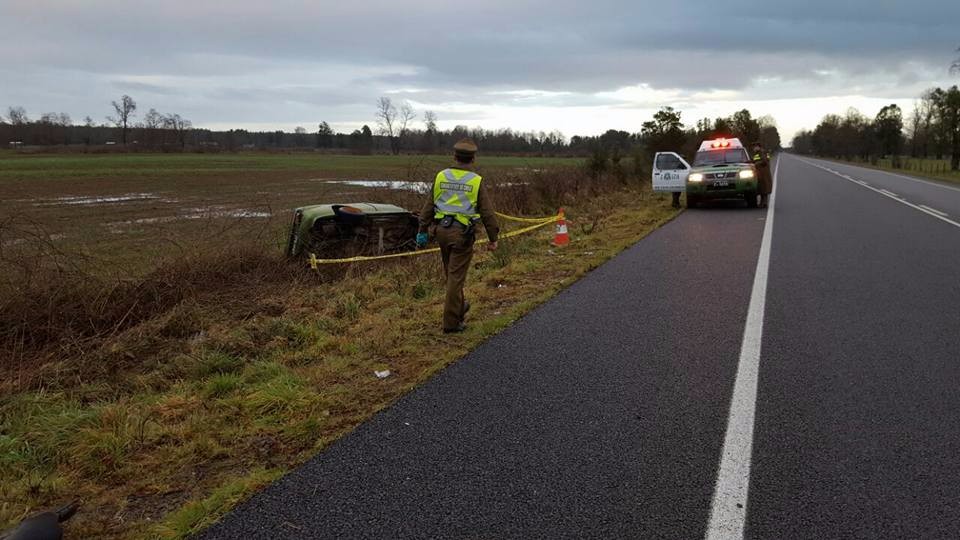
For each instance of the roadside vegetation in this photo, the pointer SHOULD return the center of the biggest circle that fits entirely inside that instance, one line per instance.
(926, 142)
(161, 397)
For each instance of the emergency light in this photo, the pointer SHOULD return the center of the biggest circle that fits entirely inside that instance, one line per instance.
(720, 143)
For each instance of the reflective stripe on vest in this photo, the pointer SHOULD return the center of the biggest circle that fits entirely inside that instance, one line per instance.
(455, 193)
(757, 157)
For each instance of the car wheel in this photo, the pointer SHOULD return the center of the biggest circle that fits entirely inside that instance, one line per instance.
(751, 200)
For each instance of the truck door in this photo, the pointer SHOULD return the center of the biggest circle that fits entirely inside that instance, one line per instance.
(670, 172)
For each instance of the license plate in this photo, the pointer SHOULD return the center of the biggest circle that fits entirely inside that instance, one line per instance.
(721, 183)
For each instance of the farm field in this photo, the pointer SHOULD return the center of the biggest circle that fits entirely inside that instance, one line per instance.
(125, 210)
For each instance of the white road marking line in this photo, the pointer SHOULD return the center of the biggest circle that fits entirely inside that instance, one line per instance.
(889, 193)
(928, 211)
(912, 179)
(934, 210)
(728, 511)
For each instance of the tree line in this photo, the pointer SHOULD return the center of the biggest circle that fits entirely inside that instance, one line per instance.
(154, 130)
(930, 130)
(398, 128)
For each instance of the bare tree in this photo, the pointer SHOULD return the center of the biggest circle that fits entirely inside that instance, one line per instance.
(430, 120)
(17, 116)
(153, 120)
(124, 112)
(386, 118)
(88, 129)
(180, 127)
(430, 134)
(407, 115)
(393, 122)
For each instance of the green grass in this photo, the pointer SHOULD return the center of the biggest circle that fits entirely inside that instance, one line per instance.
(936, 169)
(25, 166)
(193, 517)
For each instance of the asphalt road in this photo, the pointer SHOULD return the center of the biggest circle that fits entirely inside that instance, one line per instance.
(604, 412)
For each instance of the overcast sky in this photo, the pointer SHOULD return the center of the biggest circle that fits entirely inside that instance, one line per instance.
(577, 66)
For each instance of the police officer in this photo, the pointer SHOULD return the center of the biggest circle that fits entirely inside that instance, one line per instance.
(459, 200)
(764, 180)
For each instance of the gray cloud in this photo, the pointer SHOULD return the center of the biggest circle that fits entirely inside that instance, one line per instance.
(287, 61)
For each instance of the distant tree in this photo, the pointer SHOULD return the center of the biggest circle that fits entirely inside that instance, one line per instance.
(393, 123)
(324, 135)
(153, 120)
(124, 113)
(802, 142)
(664, 132)
(704, 128)
(888, 126)
(745, 127)
(947, 104)
(361, 140)
(17, 116)
(179, 126)
(430, 131)
(366, 138)
(721, 128)
(300, 135)
(769, 134)
(616, 144)
(88, 126)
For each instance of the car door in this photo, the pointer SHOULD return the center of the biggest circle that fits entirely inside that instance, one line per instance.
(670, 172)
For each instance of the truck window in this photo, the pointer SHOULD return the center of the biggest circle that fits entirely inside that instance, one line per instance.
(721, 157)
(666, 162)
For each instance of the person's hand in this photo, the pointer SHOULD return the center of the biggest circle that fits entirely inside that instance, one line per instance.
(421, 239)
(492, 246)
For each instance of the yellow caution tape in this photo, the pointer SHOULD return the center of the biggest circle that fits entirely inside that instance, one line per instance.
(315, 262)
(527, 220)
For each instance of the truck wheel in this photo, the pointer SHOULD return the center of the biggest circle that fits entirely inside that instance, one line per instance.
(692, 201)
(752, 200)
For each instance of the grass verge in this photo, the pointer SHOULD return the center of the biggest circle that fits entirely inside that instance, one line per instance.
(168, 423)
(934, 169)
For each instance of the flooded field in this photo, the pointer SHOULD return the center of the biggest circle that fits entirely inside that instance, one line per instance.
(131, 209)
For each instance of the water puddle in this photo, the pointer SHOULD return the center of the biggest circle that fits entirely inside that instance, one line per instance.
(105, 199)
(399, 185)
(212, 212)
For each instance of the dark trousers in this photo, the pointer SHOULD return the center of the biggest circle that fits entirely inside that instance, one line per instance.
(456, 250)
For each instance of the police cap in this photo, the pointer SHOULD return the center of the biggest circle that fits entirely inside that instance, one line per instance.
(465, 146)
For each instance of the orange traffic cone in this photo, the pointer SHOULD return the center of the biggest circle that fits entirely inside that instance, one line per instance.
(561, 238)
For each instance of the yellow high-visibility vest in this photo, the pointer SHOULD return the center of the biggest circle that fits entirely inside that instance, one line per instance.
(455, 193)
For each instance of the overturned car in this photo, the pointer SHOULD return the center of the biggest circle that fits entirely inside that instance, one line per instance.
(348, 230)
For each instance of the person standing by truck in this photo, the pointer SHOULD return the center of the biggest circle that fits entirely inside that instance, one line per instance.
(457, 203)
(764, 179)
